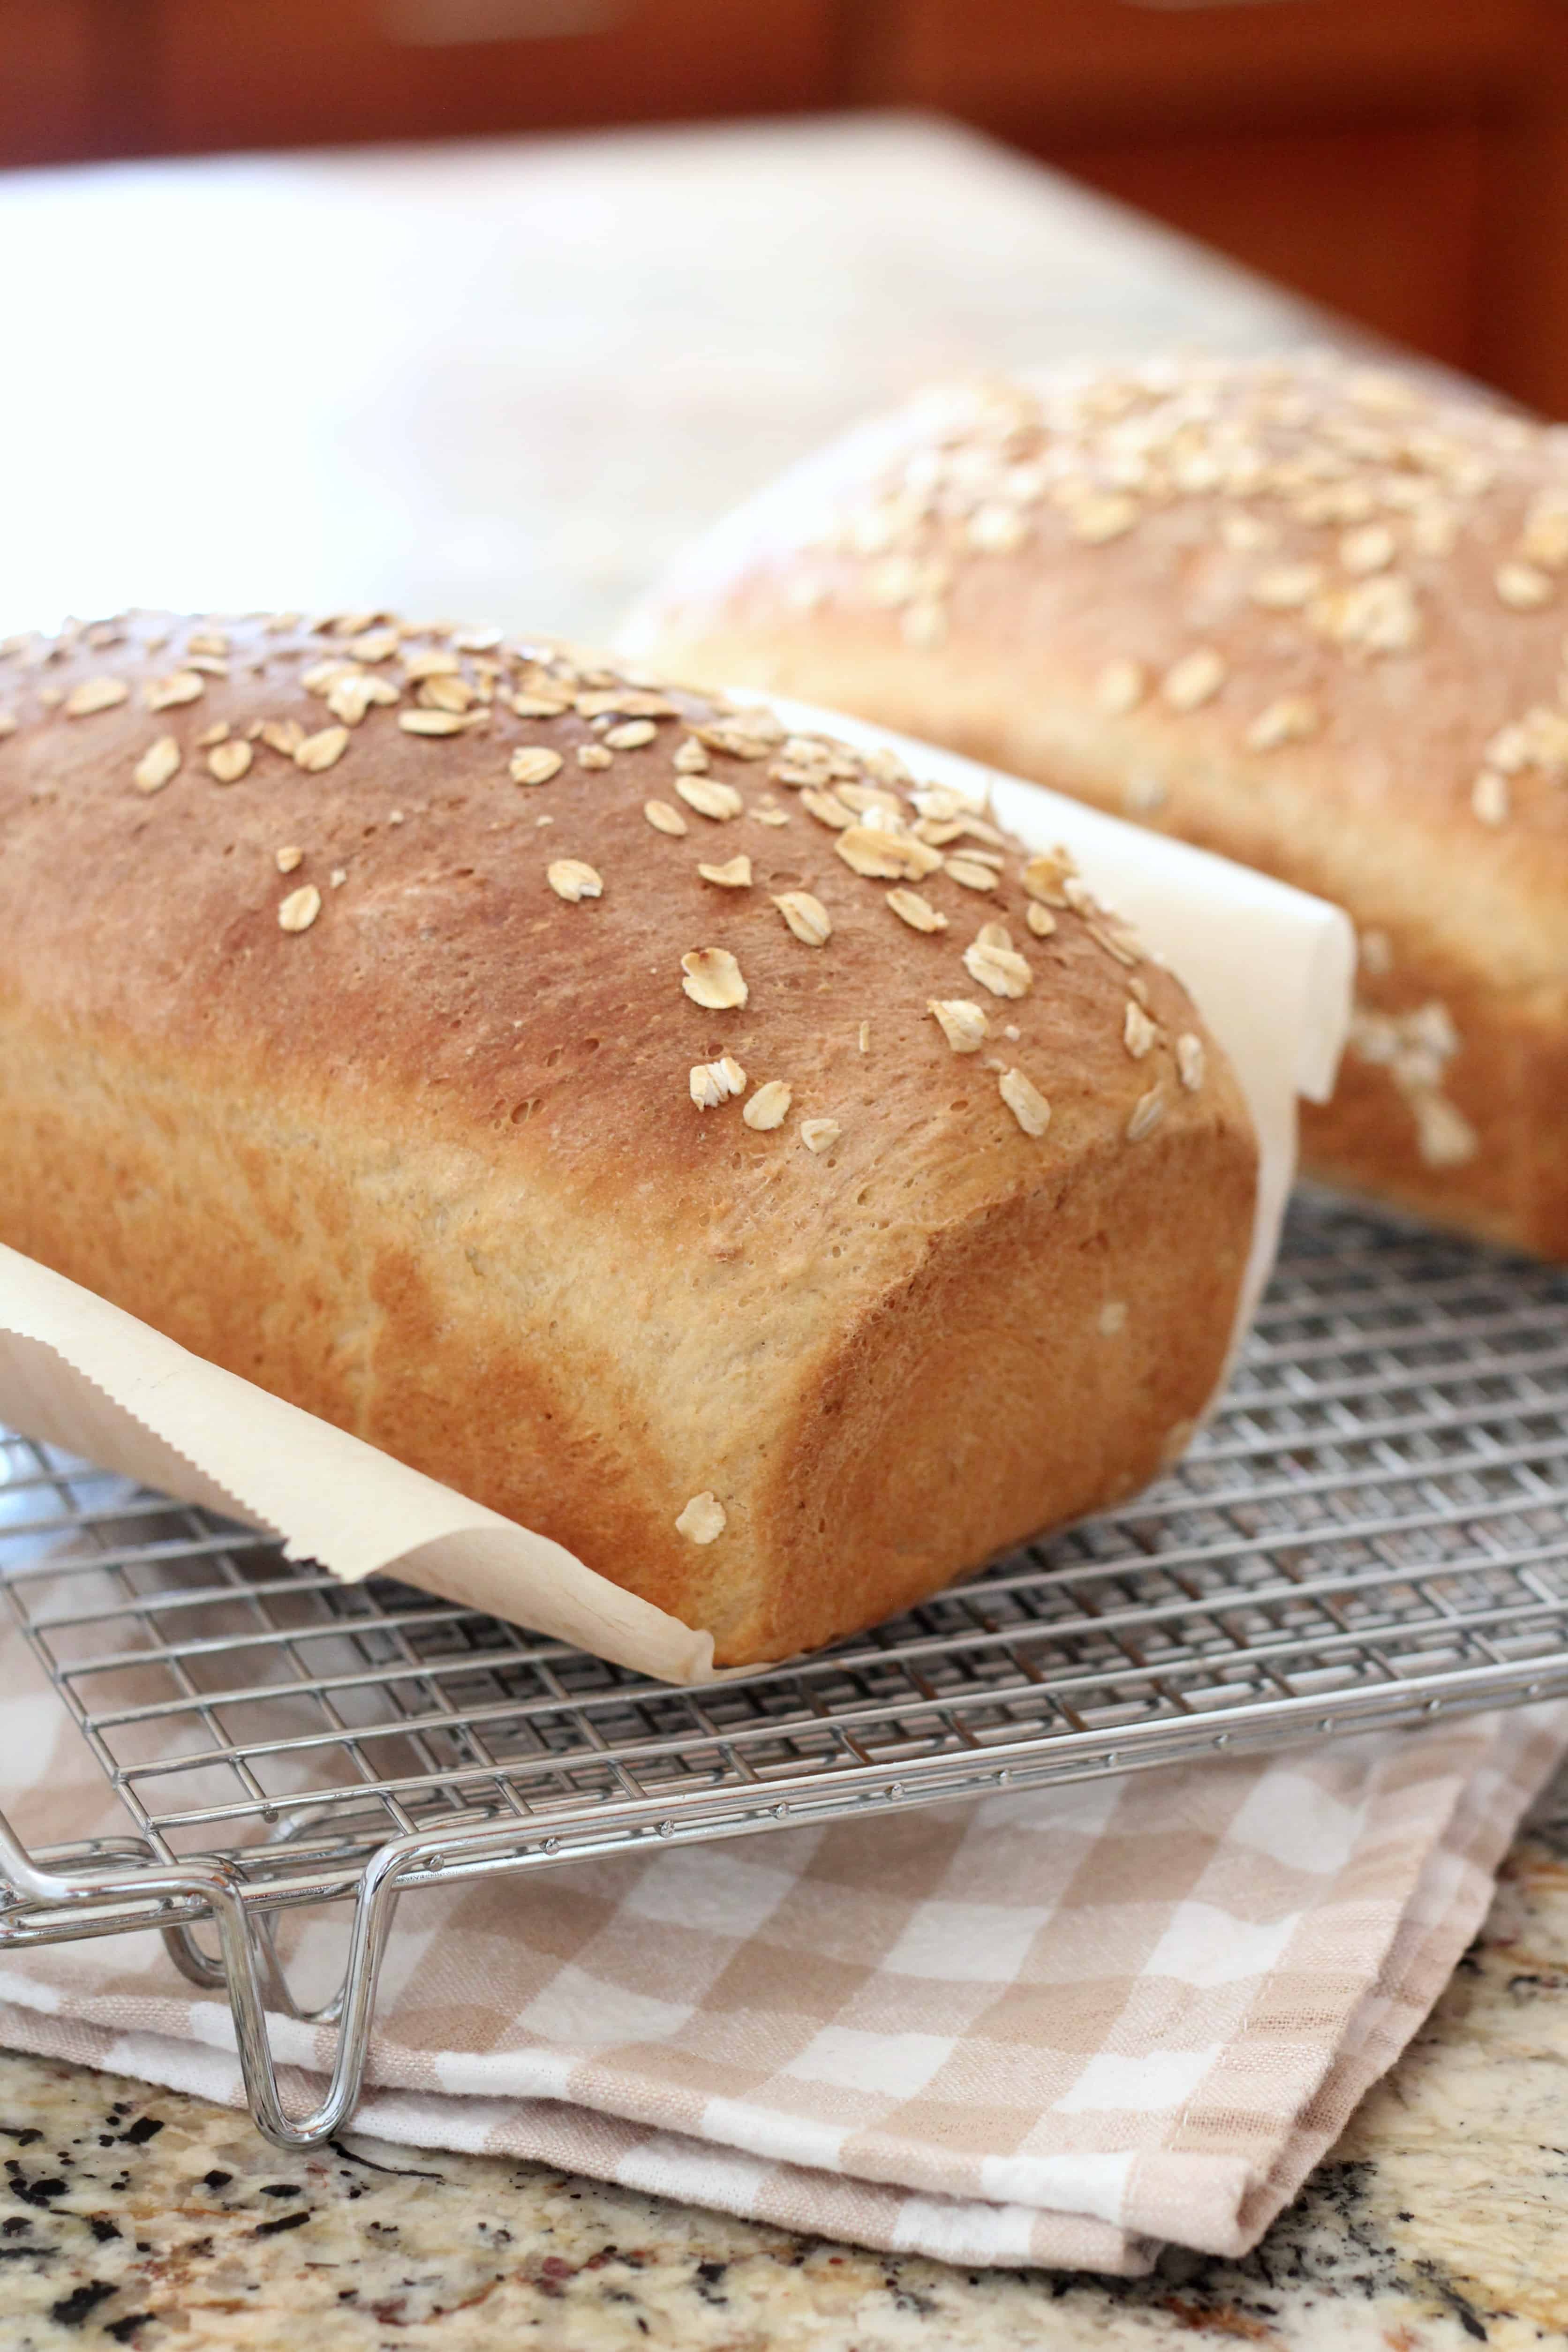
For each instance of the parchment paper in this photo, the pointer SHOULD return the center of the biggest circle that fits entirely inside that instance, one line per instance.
(1270, 967)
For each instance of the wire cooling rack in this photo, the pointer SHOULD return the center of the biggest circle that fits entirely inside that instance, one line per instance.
(1373, 1530)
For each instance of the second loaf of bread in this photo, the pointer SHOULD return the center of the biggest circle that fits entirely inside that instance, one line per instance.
(1303, 613)
(700, 1144)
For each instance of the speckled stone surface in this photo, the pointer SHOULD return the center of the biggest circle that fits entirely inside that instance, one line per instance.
(138, 2217)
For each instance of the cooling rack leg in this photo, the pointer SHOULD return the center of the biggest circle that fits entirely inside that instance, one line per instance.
(247, 1966)
(246, 1963)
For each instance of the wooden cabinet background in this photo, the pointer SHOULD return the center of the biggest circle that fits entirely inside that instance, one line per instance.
(1403, 160)
(47, 80)
(81, 78)
(251, 73)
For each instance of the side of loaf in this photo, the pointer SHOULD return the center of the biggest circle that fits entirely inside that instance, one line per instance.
(1306, 613)
(700, 1144)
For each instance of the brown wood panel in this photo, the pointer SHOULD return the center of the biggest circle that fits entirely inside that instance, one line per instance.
(1300, 205)
(47, 80)
(240, 73)
(1406, 161)
(1078, 65)
(1522, 324)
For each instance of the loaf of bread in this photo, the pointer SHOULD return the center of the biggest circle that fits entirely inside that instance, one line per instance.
(1305, 614)
(699, 1144)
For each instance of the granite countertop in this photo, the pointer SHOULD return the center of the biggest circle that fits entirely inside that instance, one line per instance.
(507, 382)
(145, 2217)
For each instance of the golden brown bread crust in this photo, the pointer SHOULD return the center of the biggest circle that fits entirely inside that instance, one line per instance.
(1299, 613)
(431, 1165)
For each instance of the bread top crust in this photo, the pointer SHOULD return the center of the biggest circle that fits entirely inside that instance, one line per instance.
(1304, 610)
(429, 953)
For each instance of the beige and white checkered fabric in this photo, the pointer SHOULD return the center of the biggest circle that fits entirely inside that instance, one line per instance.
(1056, 2029)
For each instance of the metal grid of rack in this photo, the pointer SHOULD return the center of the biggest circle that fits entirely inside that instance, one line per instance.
(1373, 1528)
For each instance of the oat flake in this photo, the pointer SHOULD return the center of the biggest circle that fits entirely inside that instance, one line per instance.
(710, 798)
(227, 762)
(713, 1083)
(1046, 875)
(1138, 1032)
(769, 1106)
(713, 977)
(962, 1021)
(299, 908)
(96, 694)
(438, 722)
(997, 968)
(1195, 680)
(168, 693)
(827, 809)
(1147, 1112)
(1291, 719)
(734, 875)
(572, 879)
(158, 766)
(806, 916)
(1190, 1061)
(1523, 586)
(534, 763)
(703, 1520)
(1024, 1101)
(316, 753)
(918, 912)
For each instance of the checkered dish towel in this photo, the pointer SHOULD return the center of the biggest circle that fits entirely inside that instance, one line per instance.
(1059, 2028)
